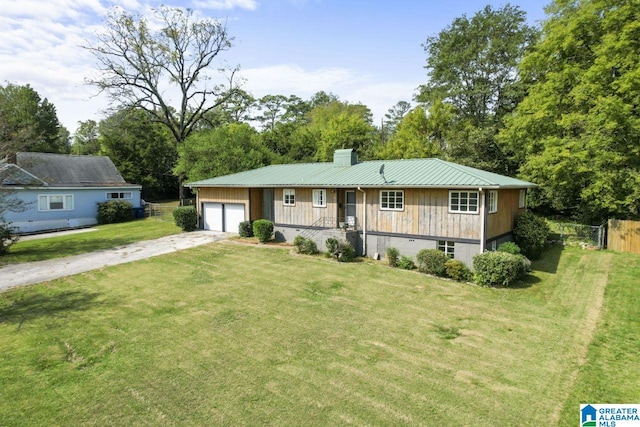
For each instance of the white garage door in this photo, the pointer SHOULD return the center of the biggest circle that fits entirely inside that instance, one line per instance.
(212, 216)
(222, 217)
(233, 216)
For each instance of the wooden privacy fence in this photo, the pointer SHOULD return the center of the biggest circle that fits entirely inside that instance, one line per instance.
(624, 236)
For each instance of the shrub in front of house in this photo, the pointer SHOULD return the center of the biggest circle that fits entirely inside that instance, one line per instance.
(393, 255)
(263, 230)
(457, 270)
(6, 237)
(510, 247)
(530, 233)
(406, 263)
(186, 217)
(305, 246)
(114, 211)
(499, 268)
(431, 261)
(347, 252)
(245, 229)
(343, 251)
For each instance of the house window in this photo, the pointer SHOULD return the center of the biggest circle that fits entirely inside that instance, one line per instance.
(55, 202)
(463, 201)
(522, 198)
(447, 247)
(493, 201)
(391, 200)
(119, 195)
(319, 198)
(289, 196)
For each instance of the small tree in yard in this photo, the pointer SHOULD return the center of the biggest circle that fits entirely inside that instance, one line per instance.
(530, 234)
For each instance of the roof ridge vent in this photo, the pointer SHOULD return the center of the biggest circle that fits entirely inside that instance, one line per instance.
(346, 157)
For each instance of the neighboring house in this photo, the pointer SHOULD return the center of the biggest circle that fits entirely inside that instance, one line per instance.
(62, 191)
(408, 204)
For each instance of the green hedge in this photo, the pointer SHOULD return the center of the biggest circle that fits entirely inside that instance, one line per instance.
(431, 261)
(263, 229)
(499, 268)
(114, 211)
(186, 218)
(245, 229)
(457, 270)
(393, 255)
(305, 246)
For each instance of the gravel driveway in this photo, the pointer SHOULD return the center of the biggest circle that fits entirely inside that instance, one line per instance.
(41, 271)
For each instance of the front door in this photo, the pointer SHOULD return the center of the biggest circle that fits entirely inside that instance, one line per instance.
(350, 207)
(267, 204)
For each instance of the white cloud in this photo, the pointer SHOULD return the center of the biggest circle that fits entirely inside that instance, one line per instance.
(226, 4)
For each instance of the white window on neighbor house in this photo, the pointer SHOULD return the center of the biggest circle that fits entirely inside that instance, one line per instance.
(320, 198)
(289, 197)
(55, 202)
(463, 201)
(119, 195)
(522, 198)
(447, 247)
(391, 200)
(493, 201)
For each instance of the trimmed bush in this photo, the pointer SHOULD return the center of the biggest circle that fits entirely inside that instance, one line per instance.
(498, 268)
(530, 233)
(114, 211)
(186, 217)
(263, 229)
(457, 270)
(245, 229)
(392, 256)
(406, 263)
(510, 248)
(431, 261)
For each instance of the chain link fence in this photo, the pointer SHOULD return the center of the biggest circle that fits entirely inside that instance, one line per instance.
(586, 236)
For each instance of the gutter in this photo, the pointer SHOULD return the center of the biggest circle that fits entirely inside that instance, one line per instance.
(364, 221)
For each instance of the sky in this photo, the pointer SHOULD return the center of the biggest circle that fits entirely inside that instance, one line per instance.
(367, 52)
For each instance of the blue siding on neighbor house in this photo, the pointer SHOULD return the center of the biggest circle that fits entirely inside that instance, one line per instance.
(85, 209)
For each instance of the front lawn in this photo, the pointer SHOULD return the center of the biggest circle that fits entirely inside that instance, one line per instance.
(228, 334)
(105, 237)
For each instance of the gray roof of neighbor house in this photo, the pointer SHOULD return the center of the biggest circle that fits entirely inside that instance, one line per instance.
(407, 173)
(62, 170)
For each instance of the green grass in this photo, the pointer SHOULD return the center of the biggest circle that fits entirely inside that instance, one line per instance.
(227, 334)
(106, 236)
(611, 373)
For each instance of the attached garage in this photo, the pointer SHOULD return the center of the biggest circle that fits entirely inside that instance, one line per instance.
(222, 216)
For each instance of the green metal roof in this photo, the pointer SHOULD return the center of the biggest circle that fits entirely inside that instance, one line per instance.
(406, 173)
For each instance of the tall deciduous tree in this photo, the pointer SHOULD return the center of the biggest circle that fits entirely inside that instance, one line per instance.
(142, 150)
(413, 138)
(29, 123)
(144, 67)
(235, 148)
(85, 139)
(578, 130)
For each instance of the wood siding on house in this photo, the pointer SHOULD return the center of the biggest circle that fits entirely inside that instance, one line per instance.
(223, 195)
(304, 213)
(502, 221)
(426, 213)
(255, 197)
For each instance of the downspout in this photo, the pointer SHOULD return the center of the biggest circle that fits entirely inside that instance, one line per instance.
(364, 221)
(483, 220)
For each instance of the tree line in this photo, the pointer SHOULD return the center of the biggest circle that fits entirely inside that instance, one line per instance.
(557, 105)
